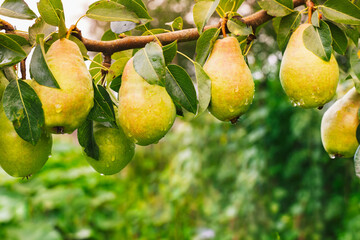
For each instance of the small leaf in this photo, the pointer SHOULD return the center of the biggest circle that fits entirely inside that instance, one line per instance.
(352, 33)
(169, 52)
(340, 41)
(103, 110)
(277, 8)
(204, 88)
(357, 162)
(116, 69)
(180, 88)
(149, 63)
(176, 24)
(48, 11)
(202, 12)
(81, 46)
(39, 68)
(40, 26)
(61, 26)
(95, 67)
(355, 62)
(237, 27)
(86, 139)
(315, 19)
(110, 12)
(121, 27)
(227, 6)
(288, 24)
(319, 40)
(116, 84)
(10, 51)
(136, 6)
(16, 9)
(109, 36)
(205, 43)
(343, 11)
(23, 108)
(23, 42)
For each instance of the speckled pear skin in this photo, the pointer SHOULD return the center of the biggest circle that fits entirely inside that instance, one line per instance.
(115, 149)
(146, 112)
(66, 108)
(232, 86)
(339, 124)
(308, 80)
(19, 158)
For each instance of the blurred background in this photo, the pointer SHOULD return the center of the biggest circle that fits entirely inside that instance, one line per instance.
(265, 178)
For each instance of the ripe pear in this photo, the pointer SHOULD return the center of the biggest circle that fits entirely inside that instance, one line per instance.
(308, 80)
(115, 149)
(17, 157)
(65, 109)
(146, 112)
(339, 124)
(232, 86)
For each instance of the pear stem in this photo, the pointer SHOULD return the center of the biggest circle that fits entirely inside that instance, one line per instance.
(223, 26)
(310, 6)
(23, 69)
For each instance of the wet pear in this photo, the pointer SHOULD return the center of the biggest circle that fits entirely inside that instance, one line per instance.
(146, 112)
(232, 86)
(115, 149)
(65, 109)
(338, 126)
(308, 80)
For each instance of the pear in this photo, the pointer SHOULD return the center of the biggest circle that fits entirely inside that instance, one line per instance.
(146, 112)
(339, 124)
(3, 83)
(115, 150)
(308, 80)
(232, 86)
(17, 157)
(65, 109)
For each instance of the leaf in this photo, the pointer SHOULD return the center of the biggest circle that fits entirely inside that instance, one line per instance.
(116, 69)
(116, 84)
(95, 67)
(48, 11)
(110, 11)
(121, 27)
(340, 41)
(355, 62)
(342, 11)
(169, 52)
(109, 36)
(176, 24)
(24, 109)
(204, 44)
(351, 32)
(319, 40)
(237, 27)
(86, 139)
(202, 12)
(81, 46)
(25, 45)
(62, 30)
(136, 6)
(277, 8)
(149, 63)
(154, 31)
(16, 9)
(315, 19)
(39, 68)
(288, 24)
(358, 133)
(180, 87)
(228, 5)
(204, 88)
(103, 110)
(10, 51)
(39, 27)
(357, 161)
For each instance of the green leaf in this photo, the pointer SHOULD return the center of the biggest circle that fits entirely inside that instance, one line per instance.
(23, 42)
(111, 11)
(227, 6)
(202, 11)
(180, 87)
(277, 8)
(203, 84)
(62, 27)
(340, 41)
(315, 19)
(288, 24)
(109, 36)
(86, 139)
(121, 27)
(149, 63)
(116, 84)
(205, 43)
(342, 11)
(116, 69)
(355, 62)
(39, 68)
(103, 110)
(10, 51)
(39, 27)
(81, 45)
(357, 160)
(136, 6)
(237, 27)
(95, 67)
(319, 40)
(16, 9)
(351, 32)
(169, 52)
(24, 109)
(48, 11)
(176, 24)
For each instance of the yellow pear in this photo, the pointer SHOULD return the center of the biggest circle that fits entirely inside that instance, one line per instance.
(146, 112)
(232, 86)
(65, 109)
(308, 80)
(338, 126)
(3, 83)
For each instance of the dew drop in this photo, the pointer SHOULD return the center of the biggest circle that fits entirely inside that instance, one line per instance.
(101, 174)
(332, 156)
(58, 108)
(231, 109)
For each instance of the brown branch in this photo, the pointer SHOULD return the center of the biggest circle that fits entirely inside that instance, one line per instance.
(23, 69)
(6, 26)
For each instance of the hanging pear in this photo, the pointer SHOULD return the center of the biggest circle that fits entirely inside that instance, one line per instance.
(339, 124)
(232, 86)
(146, 112)
(65, 109)
(309, 81)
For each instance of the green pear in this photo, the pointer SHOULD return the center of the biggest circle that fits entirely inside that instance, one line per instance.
(3, 83)
(339, 124)
(115, 150)
(65, 109)
(17, 157)
(146, 112)
(232, 86)
(308, 80)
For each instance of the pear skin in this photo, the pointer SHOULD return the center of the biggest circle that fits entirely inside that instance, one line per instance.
(65, 109)
(339, 124)
(19, 158)
(232, 86)
(309, 81)
(115, 149)
(146, 112)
